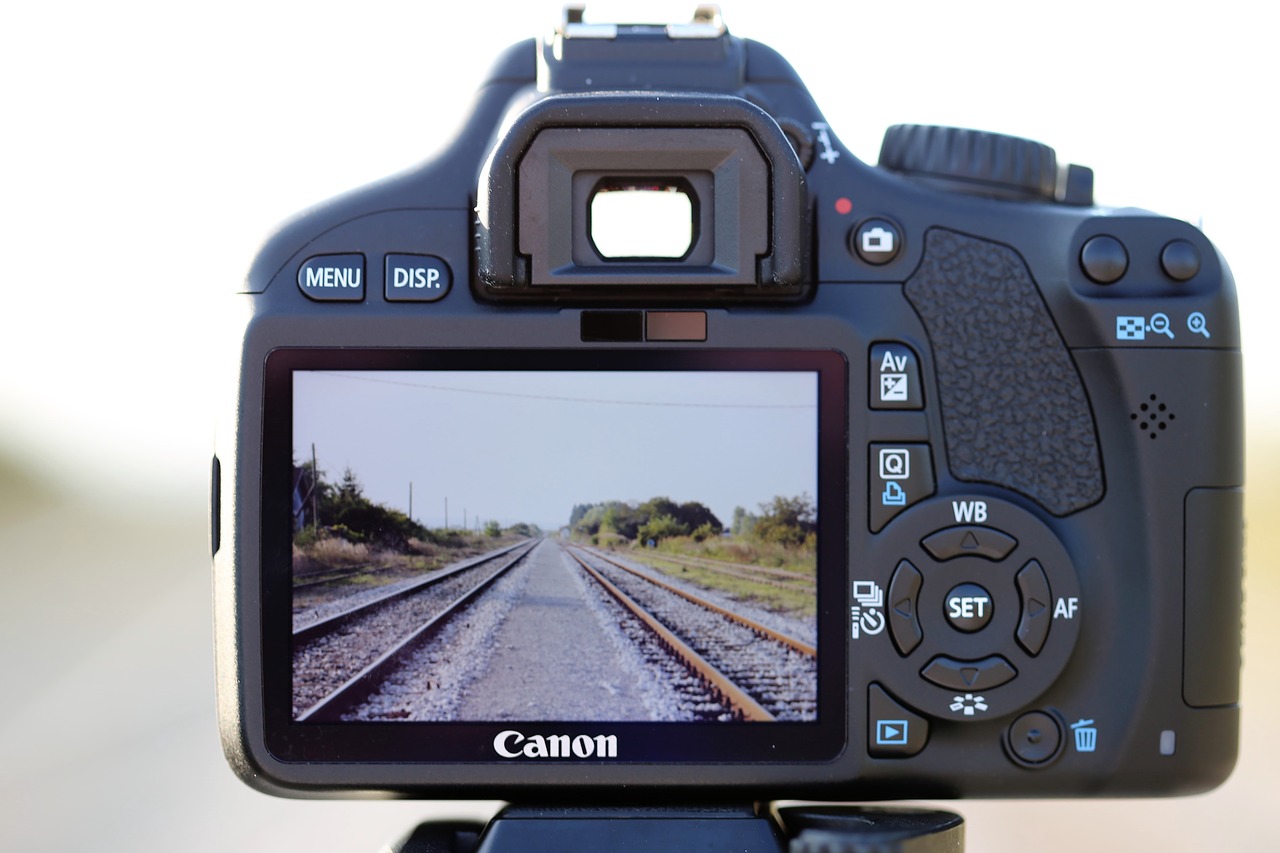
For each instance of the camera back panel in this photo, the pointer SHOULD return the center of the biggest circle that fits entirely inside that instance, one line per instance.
(985, 437)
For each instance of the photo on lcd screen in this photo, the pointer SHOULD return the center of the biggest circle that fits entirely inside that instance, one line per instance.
(620, 546)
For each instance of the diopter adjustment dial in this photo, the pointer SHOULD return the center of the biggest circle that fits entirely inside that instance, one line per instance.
(972, 161)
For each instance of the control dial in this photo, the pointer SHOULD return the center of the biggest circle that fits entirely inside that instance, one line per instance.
(972, 161)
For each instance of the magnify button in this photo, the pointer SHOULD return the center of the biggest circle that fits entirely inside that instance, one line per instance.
(1198, 324)
(1160, 325)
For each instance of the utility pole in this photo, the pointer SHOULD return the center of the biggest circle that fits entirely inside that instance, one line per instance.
(411, 500)
(315, 487)
(464, 518)
(446, 514)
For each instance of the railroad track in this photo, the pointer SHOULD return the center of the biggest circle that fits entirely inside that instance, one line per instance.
(753, 671)
(340, 660)
(309, 580)
(780, 578)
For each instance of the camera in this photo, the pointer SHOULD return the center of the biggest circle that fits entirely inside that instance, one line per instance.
(647, 445)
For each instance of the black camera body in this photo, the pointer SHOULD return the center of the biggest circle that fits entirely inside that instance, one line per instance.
(915, 480)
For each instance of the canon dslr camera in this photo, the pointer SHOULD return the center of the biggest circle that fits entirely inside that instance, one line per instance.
(647, 446)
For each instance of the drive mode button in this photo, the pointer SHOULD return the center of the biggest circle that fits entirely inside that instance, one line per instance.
(332, 278)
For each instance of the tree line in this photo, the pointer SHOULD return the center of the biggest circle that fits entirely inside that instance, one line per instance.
(789, 521)
(341, 509)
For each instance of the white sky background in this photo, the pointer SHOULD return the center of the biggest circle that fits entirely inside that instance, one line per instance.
(522, 446)
(149, 147)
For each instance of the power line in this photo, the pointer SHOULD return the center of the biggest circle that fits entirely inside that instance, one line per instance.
(425, 387)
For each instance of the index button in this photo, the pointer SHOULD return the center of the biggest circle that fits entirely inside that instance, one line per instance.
(1104, 259)
(969, 541)
(332, 278)
(895, 377)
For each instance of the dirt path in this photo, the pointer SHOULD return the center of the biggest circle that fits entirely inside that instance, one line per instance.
(552, 659)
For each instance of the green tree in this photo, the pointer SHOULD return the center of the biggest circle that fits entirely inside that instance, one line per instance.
(492, 529)
(743, 522)
(787, 521)
(694, 515)
(661, 527)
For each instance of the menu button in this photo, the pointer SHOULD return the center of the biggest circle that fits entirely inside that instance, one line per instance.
(332, 278)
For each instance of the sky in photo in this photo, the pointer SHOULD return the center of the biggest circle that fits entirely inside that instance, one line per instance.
(528, 446)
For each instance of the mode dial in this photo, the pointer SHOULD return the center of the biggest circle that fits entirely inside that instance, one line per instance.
(972, 161)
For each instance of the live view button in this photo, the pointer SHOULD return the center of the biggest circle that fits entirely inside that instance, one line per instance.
(417, 278)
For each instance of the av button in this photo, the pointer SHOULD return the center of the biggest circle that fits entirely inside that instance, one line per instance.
(968, 608)
(895, 377)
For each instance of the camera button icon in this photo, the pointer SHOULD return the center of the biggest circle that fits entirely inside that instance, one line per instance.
(876, 241)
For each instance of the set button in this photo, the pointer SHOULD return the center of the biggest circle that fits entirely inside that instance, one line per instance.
(968, 607)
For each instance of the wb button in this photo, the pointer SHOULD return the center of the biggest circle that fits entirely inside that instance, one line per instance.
(417, 278)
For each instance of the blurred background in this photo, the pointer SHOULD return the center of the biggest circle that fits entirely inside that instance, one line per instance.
(148, 149)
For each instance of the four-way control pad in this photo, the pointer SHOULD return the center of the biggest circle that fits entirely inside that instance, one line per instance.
(982, 608)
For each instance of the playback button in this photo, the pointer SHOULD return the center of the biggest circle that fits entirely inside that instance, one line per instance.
(892, 730)
(901, 475)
